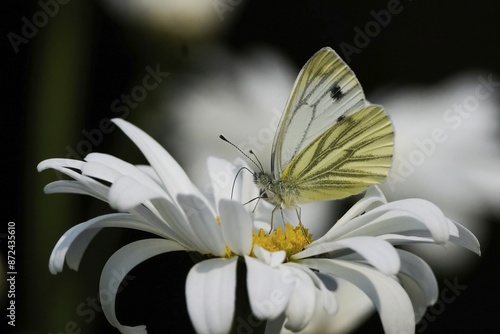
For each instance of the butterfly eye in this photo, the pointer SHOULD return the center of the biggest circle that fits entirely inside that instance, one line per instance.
(262, 178)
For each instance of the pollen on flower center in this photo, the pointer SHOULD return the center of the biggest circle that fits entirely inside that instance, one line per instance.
(292, 240)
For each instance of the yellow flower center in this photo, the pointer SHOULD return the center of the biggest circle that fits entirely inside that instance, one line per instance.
(292, 240)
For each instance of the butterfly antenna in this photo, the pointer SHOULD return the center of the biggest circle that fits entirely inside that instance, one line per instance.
(256, 158)
(259, 165)
(236, 177)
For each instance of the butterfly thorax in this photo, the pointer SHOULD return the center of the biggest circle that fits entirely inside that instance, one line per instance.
(275, 191)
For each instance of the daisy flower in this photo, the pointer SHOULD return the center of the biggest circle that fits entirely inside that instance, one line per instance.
(294, 281)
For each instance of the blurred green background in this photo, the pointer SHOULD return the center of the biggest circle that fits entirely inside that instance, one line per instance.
(65, 78)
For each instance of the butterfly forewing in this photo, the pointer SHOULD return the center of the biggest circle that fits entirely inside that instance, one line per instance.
(325, 91)
(353, 154)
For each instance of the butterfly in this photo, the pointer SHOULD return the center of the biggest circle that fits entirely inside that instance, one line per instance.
(331, 142)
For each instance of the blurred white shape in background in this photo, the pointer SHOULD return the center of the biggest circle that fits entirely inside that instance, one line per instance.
(239, 97)
(448, 152)
(181, 18)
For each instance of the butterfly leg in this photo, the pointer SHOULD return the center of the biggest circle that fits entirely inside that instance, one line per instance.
(272, 217)
(256, 203)
(298, 211)
(282, 215)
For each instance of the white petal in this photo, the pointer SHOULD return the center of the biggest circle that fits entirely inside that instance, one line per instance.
(272, 259)
(66, 166)
(202, 221)
(223, 175)
(60, 165)
(309, 294)
(100, 171)
(62, 247)
(247, 190)
(70, 187)
(258, 225)
(375, 197)
(418, 212)
(390, 299)
(414, 217)
(419, 281)
(377, 252)
(465, 238)
(117, 268)
(236, 226)
(170, 173)
(109, 168)
(327, 299)
(211, 295)
(398, 239)
(172, 215)
(302, 302)
(149, 171)
(269, 289)
(126, 193)
(141, 329)
(155, 220)
(72, 244)
(372, 199)
(230, 181)
(354, 308)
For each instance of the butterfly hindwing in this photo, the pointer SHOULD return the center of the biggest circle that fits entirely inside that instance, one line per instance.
(326, 90)
(346, 159)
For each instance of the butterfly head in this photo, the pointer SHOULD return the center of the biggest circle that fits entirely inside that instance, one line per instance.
(266, 184)
(262, 179)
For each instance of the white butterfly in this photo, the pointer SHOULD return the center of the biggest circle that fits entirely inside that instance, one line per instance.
(331, 142)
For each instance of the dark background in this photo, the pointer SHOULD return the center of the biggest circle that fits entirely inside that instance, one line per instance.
(426, 42)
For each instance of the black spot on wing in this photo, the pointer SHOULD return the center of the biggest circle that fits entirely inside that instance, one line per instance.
(336, 93)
